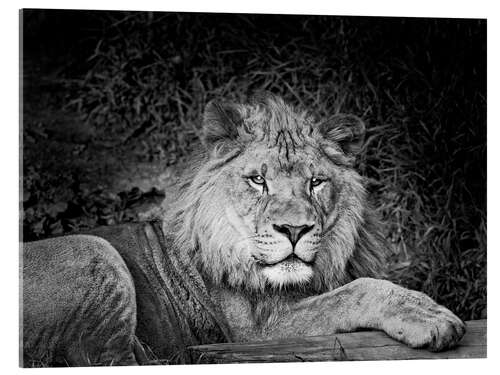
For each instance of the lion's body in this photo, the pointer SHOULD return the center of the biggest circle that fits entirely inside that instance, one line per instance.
(272, 225)
(99, 285)
(66, 281)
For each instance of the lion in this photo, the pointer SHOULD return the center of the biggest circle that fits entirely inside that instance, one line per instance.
(268, 234)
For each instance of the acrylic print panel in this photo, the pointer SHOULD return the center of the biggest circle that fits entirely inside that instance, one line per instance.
(221, 188)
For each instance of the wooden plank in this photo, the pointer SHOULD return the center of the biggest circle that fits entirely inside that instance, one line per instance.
(356, 346)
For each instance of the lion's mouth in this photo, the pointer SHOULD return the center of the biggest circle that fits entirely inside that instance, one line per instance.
(289, 270)
(289, 260)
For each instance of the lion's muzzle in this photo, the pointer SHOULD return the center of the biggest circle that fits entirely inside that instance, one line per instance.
(293, 232)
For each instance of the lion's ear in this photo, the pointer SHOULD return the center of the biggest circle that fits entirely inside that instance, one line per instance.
(220, 123)
(348, 131)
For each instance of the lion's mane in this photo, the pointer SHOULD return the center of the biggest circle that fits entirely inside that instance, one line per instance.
(202, 230)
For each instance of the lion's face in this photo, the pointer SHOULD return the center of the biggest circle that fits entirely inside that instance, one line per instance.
(280, 207)
(277, 203)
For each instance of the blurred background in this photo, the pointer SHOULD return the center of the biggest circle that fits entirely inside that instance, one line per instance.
(112, 103)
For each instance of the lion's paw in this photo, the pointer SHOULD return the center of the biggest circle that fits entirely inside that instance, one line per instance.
(418, 321)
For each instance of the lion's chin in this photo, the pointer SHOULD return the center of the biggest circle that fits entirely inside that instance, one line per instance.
(288, 272)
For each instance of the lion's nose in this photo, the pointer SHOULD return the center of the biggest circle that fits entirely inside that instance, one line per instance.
(293, 232)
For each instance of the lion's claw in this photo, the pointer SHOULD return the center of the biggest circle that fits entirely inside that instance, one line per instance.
(415, 319)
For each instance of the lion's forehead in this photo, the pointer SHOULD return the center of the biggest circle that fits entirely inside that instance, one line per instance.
(273, 161)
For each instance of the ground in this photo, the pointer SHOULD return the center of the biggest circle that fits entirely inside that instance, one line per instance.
(112, 104)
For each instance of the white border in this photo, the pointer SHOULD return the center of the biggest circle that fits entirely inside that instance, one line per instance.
(9, 158)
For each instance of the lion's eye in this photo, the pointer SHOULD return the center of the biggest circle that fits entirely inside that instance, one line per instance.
(316, 182)
(259, 180)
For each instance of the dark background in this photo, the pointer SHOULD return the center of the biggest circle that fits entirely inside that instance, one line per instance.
(112, 103)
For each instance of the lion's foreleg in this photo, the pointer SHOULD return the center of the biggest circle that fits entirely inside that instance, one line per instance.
(406, 315)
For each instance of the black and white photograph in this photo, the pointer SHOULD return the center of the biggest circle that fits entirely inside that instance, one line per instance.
(216, 188)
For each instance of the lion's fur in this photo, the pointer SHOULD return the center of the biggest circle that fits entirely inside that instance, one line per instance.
(203, 218)
(78, 295)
